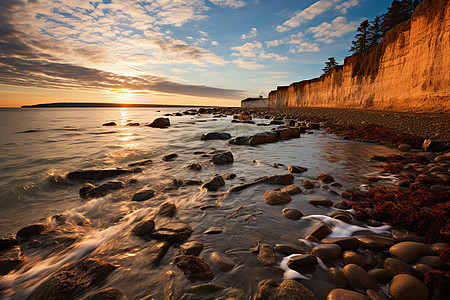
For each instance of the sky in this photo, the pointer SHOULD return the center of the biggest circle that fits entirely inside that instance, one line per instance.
(186, 52)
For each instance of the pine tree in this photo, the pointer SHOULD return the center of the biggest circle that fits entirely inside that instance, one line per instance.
(375, 32)
(330, 64)
(362, 38)
(398, 12)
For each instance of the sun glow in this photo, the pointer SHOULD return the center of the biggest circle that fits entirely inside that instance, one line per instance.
(125, 95)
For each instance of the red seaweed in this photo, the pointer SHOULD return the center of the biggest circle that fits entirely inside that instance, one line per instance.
(438, 282)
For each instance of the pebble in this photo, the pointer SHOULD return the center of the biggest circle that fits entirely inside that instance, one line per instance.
(143, 228)
(213, 230)
(381, 275)
(228, 176)
(337, 276)
(320, 201)
(340, 215)
(439, 246)
(170, 156)
(297, 169)
(375, 242)
(276, 197)
(422, 268)
(157, 252)
(160, 123)
(439, 188)
(395, 266)
(278, 179)
(167, 209)
(266, 255)
(403, 183)
(192, 248)
(215, 183)
(109, 124)
(407, 287)
(343, 294)
(325, 178)
(292, 189)
(327, 252)
(292, 213)
(143, 195)
(222, 158)
(308, 184)
(374, 295)
(335, 184)
(221, 262)
(346, 243)
(351, 257)
(194, 167)
(288, 289)
(433, 261)
(359, 278)
(403, 235)
(194, 268)
(404, 147)
(410, 252)
(288, 249)
(374, 223)
(299, 261)
(439, 169)
(206, 288)
(321, 231)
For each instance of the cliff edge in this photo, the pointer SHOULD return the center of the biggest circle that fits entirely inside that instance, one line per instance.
(409, 70)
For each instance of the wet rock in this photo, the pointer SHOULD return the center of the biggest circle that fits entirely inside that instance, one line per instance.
(109, 124)
(228, 176)
(215, 183)
(263, 138)
(101, 190)
(422, 268)
(85, 190)
(335, 184)
(32, 230)
(292, 189)
(291, 213)
(213, 230)
(106, 294)
(299, 261)
(439, 188)
(395, 266)
(167, 209)
(375, 295)
(10, 259)
(346, 243)
(404, 147)
(170, 156)
(278, 179)
(221, 262)
(206, 288)
(403, 183)
(288, 249)
(407, 287)
(222, 158)
(143, 195)
(276, 197)
(374, 223)
(327, 252)
(351, 257)
(287, 133)
(320, 201)
(410, 252)
(73, 280)
(433, 261)
(359, 278)
(325, 178)
(342, 294)
(157, 252)
(240, 140)
(143, 228)
(337, 276)
(194, 268)
(375, 242)
(216, 136)
(439, 246)
(266, 255)
(297, 169)
(8, 241)
(308, 184)
(192, 182)
(340, 215)
(288, 289)
(173, 232)
(160, 123)
(96, 175)
(437, 169)
(143, 162)
(192, 248)
(321, 231)
(381, 275)
(194, 167)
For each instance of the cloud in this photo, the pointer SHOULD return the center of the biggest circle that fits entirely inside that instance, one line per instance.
(337, 28)
(275, 43)
(249, 65)
(214, 43)
(315, 10)
(248, 49)
(252, 34)
(229, 3)
(305, 47)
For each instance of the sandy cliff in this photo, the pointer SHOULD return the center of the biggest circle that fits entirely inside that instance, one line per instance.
(408, 71)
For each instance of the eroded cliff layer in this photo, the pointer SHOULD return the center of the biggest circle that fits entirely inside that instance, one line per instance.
(409, 70)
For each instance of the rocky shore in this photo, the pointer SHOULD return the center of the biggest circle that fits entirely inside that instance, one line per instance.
(376, 243)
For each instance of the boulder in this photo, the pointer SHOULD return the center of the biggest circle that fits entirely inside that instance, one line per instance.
(194, 268)
(410, 252)
(287, 133)
(278, 179)
(156, 253)
(216, 136)
(263, 138)
(222, 158)
(240, 140)
(287, 290)
(167, 209)
(308, 184)
(407, 287)
(266, 255)
(215, 183)
(297, 169)
(327, 252)
(299, 261)
(292, 189)
(321, 231)
(288, 249)
(96, 175)
(325, 178)
(292, 213)
(143, 228)
(143, 195)
(73, 280)
(32, 230)
(173, 232)
(191, 248)
(221, 262)
(276, 197)
(160, 123)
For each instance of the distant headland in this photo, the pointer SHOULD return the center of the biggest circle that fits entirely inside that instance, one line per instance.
(95, 104)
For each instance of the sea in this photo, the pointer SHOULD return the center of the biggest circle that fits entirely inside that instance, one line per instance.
(39, 146)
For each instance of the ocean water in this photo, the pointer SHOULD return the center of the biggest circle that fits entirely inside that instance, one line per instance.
(38, 147)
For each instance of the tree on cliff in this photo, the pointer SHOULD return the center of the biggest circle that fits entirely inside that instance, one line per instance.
(330, 64)
(375, 32)
(397, 13)
(362, 38)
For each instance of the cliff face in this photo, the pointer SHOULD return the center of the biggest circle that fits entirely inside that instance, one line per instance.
(254, 103)
(409, 70)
